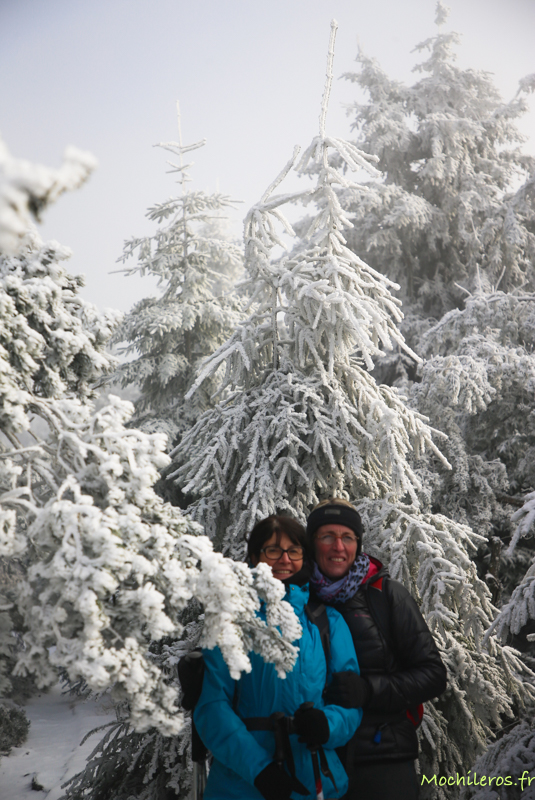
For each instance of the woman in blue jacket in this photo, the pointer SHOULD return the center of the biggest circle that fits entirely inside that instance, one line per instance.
(234, 719)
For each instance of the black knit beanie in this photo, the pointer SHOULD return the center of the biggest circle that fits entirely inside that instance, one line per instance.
(337, 515)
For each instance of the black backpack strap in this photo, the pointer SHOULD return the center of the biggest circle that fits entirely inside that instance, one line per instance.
(317, 614)
(198, 749)
(190, 671)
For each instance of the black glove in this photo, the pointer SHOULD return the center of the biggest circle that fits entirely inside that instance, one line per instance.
(312, 726)
(274, 783)
(348, 690)
(190, 670)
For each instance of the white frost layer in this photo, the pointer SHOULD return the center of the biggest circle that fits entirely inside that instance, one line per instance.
(52, 752)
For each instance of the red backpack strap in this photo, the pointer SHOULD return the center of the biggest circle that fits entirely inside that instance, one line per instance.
(415, 714)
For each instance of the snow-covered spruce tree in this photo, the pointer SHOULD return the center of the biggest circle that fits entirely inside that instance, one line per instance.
(108, 565)
(477, 385)
(517, 616)
(113, 565)
(51, 344)
(450, 208)
(304, 418)
(453, 221)
(512, 758)
(25, 190)
(168, 336)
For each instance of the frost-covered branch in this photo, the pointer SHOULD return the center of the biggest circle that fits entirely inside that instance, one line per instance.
(26, 189)
(113, 566)
(109, 566)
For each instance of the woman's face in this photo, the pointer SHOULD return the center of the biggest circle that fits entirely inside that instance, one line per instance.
(283, 566)
(335, 547)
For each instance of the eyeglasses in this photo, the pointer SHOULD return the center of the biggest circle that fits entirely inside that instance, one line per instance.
(330, 538)
(274, 553)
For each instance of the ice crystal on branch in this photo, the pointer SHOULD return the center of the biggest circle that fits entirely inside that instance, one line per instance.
(517, 615)
(511, 758)
(476, 385)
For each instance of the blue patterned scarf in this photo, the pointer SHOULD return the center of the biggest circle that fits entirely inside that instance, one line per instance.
(331, 591)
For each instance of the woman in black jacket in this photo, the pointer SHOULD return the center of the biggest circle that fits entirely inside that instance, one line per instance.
(400, 666)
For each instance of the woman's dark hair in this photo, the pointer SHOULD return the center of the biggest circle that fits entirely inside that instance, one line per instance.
(265, 529)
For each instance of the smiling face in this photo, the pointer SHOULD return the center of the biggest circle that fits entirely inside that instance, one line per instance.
(334, 559)
(282, 567)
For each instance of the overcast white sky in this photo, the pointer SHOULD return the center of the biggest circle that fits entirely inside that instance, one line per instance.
(104, 75)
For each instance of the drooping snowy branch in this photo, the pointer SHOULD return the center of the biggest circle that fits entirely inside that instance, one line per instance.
(433, 556)
(112, 566)
(26, 189)
(109, 564)
(511, 758)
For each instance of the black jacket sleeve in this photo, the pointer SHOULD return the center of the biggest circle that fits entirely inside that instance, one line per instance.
(415, 670)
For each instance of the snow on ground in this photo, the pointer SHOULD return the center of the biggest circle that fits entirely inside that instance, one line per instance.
(52, 752)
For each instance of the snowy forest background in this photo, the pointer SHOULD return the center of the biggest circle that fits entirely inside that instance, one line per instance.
(372, 336)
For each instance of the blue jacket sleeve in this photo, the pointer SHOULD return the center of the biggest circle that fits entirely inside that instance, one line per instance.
(221, 730)
(343, 722)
